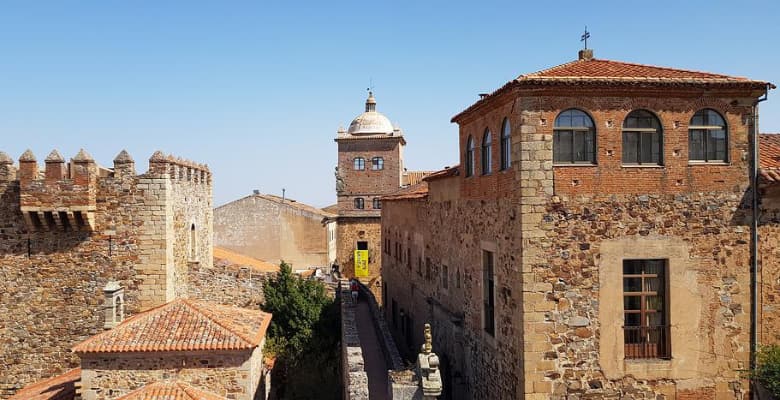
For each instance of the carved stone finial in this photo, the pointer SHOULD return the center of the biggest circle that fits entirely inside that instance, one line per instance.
(27, 156)
(158, 156)
(123, 158)
(428, 346)
(83, 156)
(5, 159)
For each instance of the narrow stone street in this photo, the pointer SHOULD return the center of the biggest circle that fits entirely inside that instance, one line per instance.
(375, 365)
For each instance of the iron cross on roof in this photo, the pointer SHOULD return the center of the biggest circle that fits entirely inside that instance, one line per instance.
(585, 36)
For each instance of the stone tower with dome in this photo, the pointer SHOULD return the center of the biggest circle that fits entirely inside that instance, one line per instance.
(370, 165)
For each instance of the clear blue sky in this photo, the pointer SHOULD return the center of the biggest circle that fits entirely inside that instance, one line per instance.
(258, 90)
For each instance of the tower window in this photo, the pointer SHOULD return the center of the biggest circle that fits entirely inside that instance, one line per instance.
(377, 163)
(506, 145)
(359, 203)
(377, 203)
(193, 253)
(359, 163)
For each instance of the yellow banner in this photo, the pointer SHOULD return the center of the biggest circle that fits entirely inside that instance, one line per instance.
(361, 263)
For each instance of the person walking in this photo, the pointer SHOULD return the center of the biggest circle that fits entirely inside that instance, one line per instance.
(353, 286)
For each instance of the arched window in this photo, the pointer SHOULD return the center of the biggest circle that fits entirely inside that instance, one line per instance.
(470, 156)
(359, 163)
(642, 139)
(708, 138)
(487, 159)
(119, 310)
(506, 145)
(377, 203)
(574, 138)
(359, 204)
(377, 163)
(193, 244)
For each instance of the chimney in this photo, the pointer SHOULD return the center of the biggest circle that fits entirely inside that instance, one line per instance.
(113, 304)
(256, 191)
(55, 167)
(586, 54)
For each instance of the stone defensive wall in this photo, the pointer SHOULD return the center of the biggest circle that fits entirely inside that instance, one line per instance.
(353, 373)
(67, 228)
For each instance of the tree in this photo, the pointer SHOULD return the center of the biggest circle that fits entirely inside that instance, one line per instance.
(303, 335)
(767, 371)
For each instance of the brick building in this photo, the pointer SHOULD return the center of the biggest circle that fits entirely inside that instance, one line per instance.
(273, 228)
(370, 165)
(595, 240)
(70, 228)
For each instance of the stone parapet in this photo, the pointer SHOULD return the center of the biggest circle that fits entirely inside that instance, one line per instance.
(355, 379)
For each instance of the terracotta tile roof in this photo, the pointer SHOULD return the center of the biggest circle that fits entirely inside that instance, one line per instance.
(444, 173)
(412, 178)
(769, 151)
(418, 191)
(183, 325)
(598, 71)
(60, 387)
(170, 391)
(232, 257)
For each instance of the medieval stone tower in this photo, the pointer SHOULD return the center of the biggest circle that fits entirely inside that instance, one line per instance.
(370, 165)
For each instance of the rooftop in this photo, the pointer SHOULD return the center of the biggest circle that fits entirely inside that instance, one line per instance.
(232, 257)
(60, 387)
(170, 391)
(183, 325)
(592, 71)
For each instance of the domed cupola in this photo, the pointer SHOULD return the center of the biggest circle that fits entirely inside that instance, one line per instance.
(371, 121)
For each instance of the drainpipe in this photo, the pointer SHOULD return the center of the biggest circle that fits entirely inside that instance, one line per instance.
(754, 268)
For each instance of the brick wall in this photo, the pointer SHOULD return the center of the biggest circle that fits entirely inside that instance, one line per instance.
(51, 297)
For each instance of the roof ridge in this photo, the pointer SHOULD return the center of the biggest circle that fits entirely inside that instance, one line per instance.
(669, 68)
(248, 341)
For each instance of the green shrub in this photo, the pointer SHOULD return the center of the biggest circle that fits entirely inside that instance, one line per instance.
(767, 371)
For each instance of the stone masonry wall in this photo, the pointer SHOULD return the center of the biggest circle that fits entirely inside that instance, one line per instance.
(232, 374)
(227, 284)
(349, 231)
(53, 273)
(769, 257)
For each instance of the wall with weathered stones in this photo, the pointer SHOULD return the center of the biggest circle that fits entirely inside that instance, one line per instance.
(227, 284)
(560, 234)
(769, 259)
(232, 374)
(269, 229)
(350, 231)
(353, 373)
(54, 268)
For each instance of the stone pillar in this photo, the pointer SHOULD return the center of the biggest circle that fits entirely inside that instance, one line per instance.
(124, 165)
(28, 167)
(55, 167)
(84, 169)
(7, 170)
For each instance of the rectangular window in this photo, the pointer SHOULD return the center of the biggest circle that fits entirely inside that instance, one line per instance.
(445, 276)
(645, 305)
(642, 147)
(488, 287)
(362, 245)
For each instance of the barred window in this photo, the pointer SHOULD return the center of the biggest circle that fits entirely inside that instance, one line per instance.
(645, 307)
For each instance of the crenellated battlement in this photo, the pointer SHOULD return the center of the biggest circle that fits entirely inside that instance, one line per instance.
(63, 196)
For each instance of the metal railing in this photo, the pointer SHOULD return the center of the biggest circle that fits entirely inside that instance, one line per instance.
(647, 342)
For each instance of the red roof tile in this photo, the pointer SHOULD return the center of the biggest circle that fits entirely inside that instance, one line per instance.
(183, 325)
(170, 391)
(418, 191)
(445, 173)
(769, 150)
(597, 71)
(60, 387)
(235, 258)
